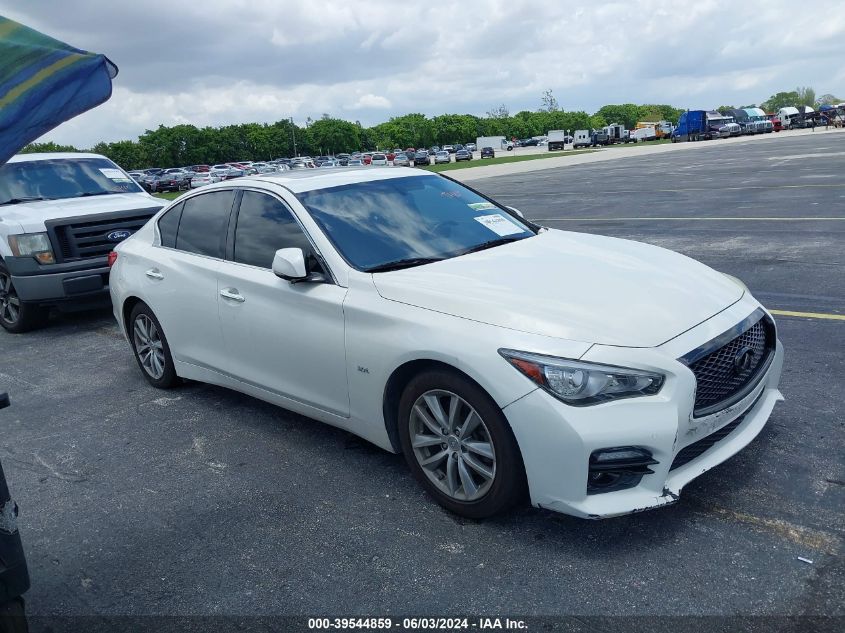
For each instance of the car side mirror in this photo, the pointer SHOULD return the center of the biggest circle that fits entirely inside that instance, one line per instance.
(517, 211)
(289, 264)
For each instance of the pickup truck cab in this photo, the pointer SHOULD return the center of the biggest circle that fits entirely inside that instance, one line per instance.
(60, 216)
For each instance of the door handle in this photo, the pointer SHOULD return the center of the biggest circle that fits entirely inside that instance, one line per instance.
(153, 273)
(232, 293)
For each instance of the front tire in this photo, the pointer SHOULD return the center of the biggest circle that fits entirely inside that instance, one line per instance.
(17, 316)
(152, 352)
(459, 445)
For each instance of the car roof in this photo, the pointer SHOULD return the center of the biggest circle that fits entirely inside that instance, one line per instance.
(20, 158)
(302, 180)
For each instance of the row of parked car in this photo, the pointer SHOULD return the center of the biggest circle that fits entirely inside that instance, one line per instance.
(159, 179)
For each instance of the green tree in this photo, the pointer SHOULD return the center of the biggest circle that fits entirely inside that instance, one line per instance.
(781, 100)
(334, 135)
(127, 154)
(453, 128)
(49, 146)
(806, 96)
(659, 112)
(627, 114)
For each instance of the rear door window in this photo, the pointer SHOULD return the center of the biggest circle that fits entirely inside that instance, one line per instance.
(168, 225)
(204, 222)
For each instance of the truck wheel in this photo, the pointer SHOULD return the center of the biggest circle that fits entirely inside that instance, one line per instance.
(17, 316)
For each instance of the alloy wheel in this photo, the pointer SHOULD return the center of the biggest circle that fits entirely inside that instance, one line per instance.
(10, 304)
(452, 445)
(148, 346)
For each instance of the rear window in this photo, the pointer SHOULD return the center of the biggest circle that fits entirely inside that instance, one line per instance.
(59, 178)
(379, 157)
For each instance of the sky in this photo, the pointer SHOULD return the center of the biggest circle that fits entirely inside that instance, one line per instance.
(219, 62)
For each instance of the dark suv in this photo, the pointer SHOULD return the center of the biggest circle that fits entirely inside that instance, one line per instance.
(422, 158)
(488, 152)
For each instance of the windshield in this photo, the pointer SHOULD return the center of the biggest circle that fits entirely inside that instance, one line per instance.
(62, 178)
(416, 217)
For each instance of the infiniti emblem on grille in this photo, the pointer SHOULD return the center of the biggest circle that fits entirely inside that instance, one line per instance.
(116, 236)
(743, 360)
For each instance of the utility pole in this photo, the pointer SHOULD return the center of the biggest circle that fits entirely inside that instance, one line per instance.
(293, 134)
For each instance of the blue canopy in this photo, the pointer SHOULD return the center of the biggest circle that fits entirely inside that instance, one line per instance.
(44, 82)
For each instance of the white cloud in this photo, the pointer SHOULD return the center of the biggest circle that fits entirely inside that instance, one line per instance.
(232, 61)
(371, 101)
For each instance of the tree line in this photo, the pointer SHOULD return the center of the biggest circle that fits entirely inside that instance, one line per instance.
(190, 145)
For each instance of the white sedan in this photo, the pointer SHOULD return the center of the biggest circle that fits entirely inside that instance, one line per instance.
(598, 375)
(201, 179)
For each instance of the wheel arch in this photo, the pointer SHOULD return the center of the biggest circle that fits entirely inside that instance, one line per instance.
(399, 379)
(126, 310)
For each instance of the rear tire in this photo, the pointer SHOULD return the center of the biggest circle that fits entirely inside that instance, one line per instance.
(473, 466)
(17, 316)
(152, 352)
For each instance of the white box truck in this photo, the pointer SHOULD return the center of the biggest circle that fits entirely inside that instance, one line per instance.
(644, 134)
(582, 138)
(496, 142)
(557, 139)
(616, 133)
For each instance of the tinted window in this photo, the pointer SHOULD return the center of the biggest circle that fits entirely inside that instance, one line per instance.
(264, 226)
(168, 224)
(205, 220)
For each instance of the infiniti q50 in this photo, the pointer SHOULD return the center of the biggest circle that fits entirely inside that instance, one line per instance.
(595, 375)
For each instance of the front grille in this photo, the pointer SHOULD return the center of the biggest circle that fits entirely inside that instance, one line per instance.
(727, 368)
(86, 237)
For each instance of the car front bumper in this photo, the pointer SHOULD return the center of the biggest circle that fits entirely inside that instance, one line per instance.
(556, 440)
(59, 283)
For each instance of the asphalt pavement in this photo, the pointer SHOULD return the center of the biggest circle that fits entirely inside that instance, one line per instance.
(204, 501)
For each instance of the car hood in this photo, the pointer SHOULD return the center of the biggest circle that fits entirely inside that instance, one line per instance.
(573, 286)
(31, 215)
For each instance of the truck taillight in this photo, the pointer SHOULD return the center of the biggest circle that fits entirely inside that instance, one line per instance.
(112, 258)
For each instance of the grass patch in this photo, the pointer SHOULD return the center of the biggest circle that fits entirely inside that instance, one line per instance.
(168, 195)
(478, 162)
(643, 143)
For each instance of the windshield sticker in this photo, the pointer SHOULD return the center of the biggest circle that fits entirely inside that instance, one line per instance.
(114, 174)
(499, 224)
(481, 206)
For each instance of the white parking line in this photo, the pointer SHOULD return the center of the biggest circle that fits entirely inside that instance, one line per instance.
(642, 219)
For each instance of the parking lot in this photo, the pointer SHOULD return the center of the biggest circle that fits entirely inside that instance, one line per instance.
(204, 501)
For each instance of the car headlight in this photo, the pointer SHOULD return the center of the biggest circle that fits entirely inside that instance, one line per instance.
(581, 384)
(35, 245)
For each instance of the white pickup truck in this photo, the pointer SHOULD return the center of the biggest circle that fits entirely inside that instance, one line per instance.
(60, 216)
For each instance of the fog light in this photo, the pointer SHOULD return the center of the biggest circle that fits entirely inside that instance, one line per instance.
(617, 468)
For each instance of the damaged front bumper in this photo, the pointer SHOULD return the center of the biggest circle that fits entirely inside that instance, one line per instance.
(557, 441)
